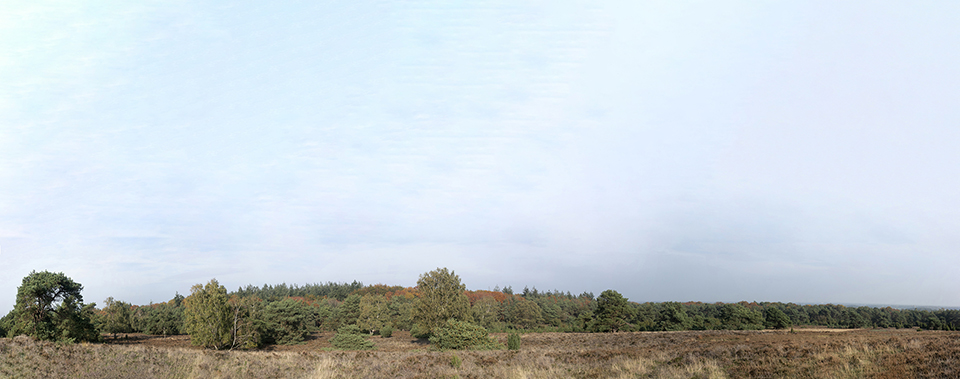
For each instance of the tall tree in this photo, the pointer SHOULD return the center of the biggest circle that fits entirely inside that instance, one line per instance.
(613, 312)
(486, 311)
(116, 318)
(522, 312)
(49, 307)
(442, 297)
(374, 313)
(774, 318)
(207, 316)
(673, 316)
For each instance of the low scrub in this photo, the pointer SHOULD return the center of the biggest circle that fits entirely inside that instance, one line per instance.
(806, 353)
(461, 335)
(350, 337)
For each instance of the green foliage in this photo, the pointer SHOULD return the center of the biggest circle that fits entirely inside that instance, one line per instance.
(350, 337)
(386, 331)
(442, 297)
(513, 341)
(521, 312)
(374, 313)
(116, 317)
(349, 311)
(401, 308)
(164, 320)
(247, 328)
(486, 311)
(49, 307)
(739, 317)
(289, 321)
(460, 335)
(6, 322)
(279, 292)
(853, 319)
(455, 361)
(673, 316)
(774, 318)
(613, 312)
(207, 316)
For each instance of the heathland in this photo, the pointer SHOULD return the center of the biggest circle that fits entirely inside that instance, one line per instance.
(803, 353)
(441, 329)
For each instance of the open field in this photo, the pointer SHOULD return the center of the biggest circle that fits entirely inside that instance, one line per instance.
(883, 353)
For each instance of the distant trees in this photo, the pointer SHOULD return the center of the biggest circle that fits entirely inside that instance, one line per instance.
(117, 317)
(441, 297)
(349, 311)
(738, 317)
(486, 311)
(613, 312)
(374, 313)
(163, 319)
(521, 312)
(774, 318)
(50, 307)
(672, 316)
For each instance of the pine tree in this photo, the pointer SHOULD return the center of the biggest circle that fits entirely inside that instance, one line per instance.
(49, 307)
(441, 298)
(613, 312)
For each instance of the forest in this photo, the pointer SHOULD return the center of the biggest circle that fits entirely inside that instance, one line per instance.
(50, 306)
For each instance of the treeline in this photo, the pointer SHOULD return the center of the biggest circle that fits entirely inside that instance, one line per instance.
(371, 308)
(50, 306)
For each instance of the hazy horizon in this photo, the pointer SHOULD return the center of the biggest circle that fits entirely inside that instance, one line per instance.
(672, 151)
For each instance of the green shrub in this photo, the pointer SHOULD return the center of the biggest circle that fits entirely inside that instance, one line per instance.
(289, 321)
(350, 338)
(418, 332)
(513, 341)
(455, 361)
(387, 331)
(460, 335)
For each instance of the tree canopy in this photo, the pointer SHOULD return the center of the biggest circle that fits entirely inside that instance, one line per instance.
(613, 312)
(207, 315)
(442, 297)
(50, 307)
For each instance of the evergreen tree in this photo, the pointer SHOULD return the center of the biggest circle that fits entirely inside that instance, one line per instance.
(374, 313)
(613, 312)
(521, 312)
(49, 307)
(673, 316)
(288, 321)
(116, 317)
(349, 311)
(774, 318)
(441, 298)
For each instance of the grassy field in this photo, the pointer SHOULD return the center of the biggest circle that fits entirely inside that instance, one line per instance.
(808, 353)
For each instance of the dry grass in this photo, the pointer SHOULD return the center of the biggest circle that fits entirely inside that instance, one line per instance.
(714, 354)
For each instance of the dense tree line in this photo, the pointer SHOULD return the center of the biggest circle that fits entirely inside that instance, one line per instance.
(49, 306)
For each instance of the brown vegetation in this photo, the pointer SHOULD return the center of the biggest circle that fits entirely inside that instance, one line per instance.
(881, 353)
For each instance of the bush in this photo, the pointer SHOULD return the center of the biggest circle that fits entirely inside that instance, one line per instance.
(351, 338)
(460, 335)
(289, 321)
(387, 331)
(513, 341)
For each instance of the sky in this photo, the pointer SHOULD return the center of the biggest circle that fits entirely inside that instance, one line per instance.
(801, 152)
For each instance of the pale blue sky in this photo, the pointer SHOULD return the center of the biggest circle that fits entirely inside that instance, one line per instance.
(712, 151)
